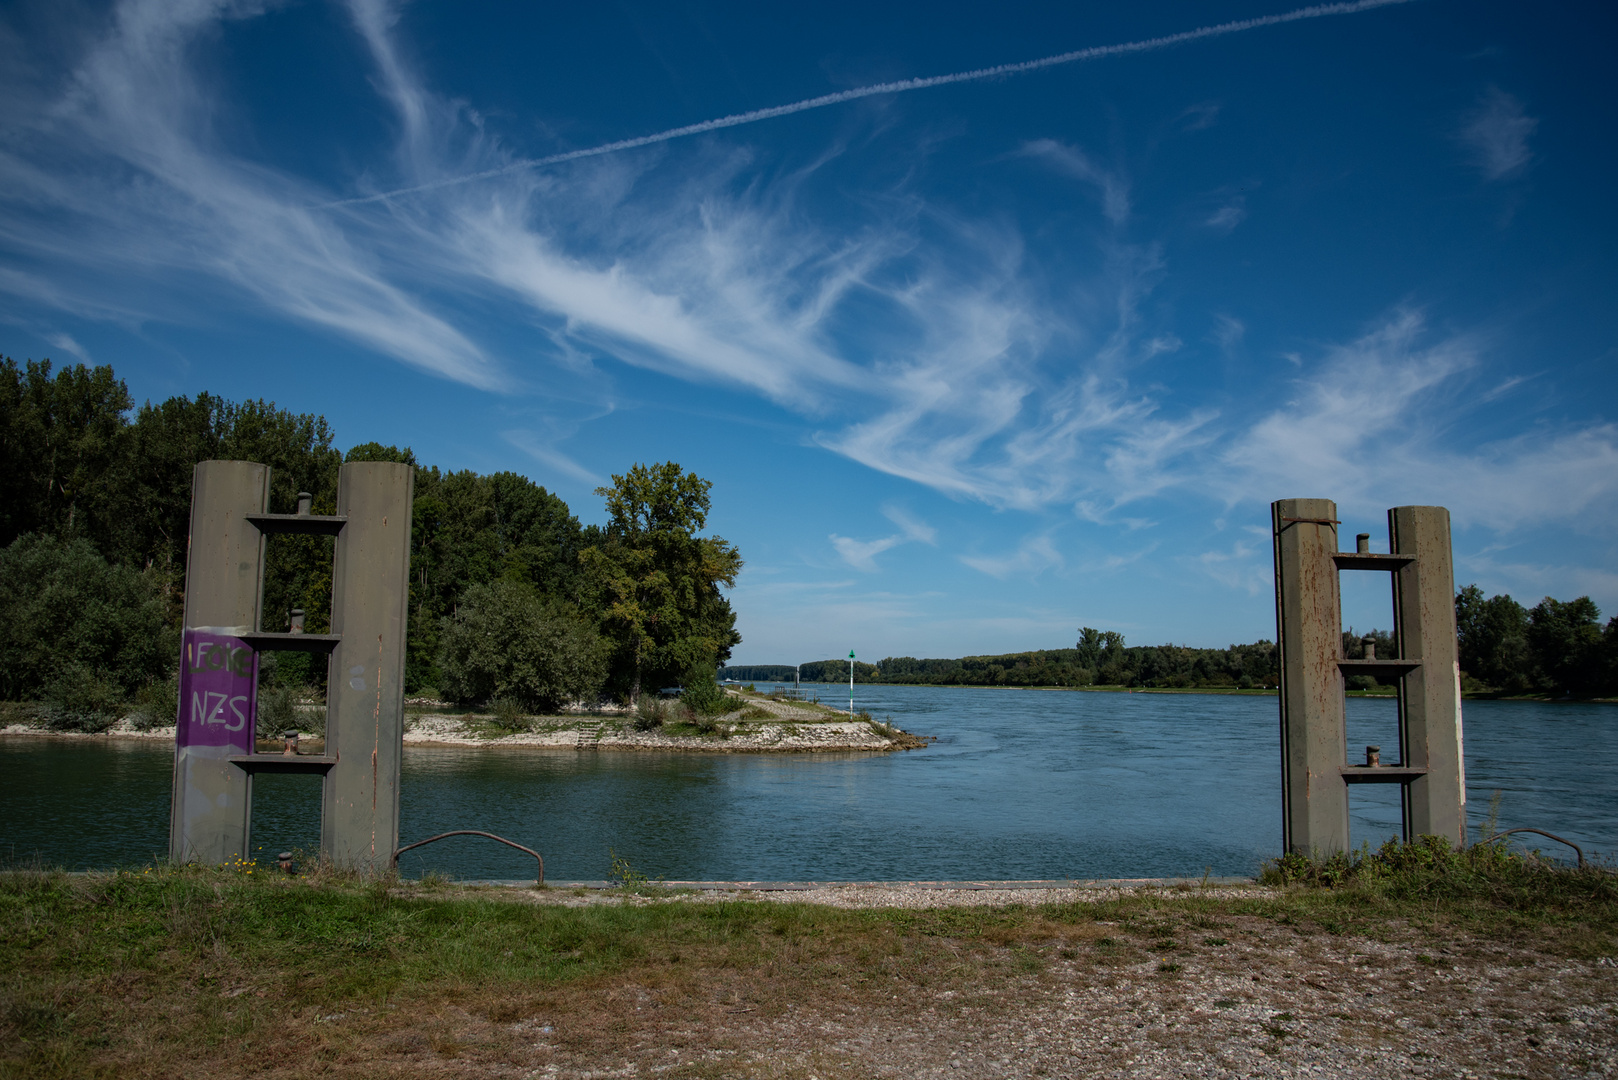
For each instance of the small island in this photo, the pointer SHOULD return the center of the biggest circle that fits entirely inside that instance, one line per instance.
(756, 723)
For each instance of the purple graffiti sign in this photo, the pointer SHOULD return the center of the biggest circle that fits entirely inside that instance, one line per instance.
(218, 706)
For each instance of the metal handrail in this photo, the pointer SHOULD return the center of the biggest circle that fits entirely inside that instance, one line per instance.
(475, 832)
(1577, 850)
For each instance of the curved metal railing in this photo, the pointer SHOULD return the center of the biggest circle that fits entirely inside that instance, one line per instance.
(475, 832)
(1577, 850)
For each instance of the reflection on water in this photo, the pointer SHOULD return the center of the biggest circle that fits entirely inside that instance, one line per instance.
(1020, 784)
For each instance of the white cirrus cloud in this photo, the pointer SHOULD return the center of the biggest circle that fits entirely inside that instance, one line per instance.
(1227, 217)
(1110, 184)
(124, 177)
(913, 338)
(1497, 133)
(861, 554)
(67, 344)
(1034, 555)
(914, 528)
(1382, 422)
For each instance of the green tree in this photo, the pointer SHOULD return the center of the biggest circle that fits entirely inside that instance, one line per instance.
(657, 582)
(469, 530)
(1566, 642)
(1609, 652)
(505, 641)
(1101, 650)
(61, 450)
(68, 620)
(1492, 635)
(165, 443)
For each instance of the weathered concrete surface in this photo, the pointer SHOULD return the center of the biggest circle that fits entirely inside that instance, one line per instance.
(224, 561)
(365, 685)
(1430, 707)
(1314, 736)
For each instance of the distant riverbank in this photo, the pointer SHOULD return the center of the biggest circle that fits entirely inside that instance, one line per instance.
(1223, 691)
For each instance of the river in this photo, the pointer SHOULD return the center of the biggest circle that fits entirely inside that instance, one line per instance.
(1019, 784)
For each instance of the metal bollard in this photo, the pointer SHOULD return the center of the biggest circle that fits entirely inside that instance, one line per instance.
(1373, 757)
(285, 859)
(291, 738)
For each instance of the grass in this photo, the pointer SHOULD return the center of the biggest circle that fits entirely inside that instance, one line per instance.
(218, 971)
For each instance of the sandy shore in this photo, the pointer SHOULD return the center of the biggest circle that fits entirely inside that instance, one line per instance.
(788, 728)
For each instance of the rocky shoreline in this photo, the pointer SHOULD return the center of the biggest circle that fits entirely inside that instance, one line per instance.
(759, 725)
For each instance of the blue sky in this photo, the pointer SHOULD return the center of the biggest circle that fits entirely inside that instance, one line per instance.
(970, 364)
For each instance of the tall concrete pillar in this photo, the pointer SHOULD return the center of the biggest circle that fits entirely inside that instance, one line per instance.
(1315, 773)
(1314, 735)
(218, 669)
(1430, 699)
(365, 686)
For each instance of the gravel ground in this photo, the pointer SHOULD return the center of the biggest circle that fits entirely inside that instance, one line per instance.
(795, 729)
(756, 736)
(1179, 994)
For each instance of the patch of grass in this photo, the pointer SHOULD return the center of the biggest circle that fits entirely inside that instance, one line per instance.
(508, 714)
(1484, 889)
(207, 972)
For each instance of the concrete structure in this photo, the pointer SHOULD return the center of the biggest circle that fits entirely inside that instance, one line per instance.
(214, 749)
(1315, 771)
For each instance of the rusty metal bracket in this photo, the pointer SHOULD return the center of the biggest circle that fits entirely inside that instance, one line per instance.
(1577, 850)
(475, 832)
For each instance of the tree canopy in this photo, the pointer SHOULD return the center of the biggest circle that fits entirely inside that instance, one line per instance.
(1556, 648)
(80, 464)
(656, 581)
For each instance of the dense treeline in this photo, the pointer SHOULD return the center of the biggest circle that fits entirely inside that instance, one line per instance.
(95, 499)
(1555, 649)
(1099, 658)
(758, 672)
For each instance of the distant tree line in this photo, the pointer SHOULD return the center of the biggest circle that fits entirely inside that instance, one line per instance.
(1099, 658)
(754, 673)
(509, 595)
(1554, 649)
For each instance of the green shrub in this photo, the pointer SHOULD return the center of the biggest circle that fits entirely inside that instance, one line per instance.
(507, 713)
(294, 669)
(1428, 867)
(80, 698)
(650, 713)
(277, 711)
(702, 694)
(157, 703)
(76, 630)
(506, 642)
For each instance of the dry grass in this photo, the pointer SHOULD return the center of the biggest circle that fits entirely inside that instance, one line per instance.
(217, 973)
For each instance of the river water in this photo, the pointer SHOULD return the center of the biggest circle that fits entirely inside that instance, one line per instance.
(1019, 784)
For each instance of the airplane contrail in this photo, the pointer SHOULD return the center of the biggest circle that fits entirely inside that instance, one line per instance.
(1318, 11)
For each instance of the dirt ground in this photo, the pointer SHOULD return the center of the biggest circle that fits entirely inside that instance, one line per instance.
(1169, 994)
